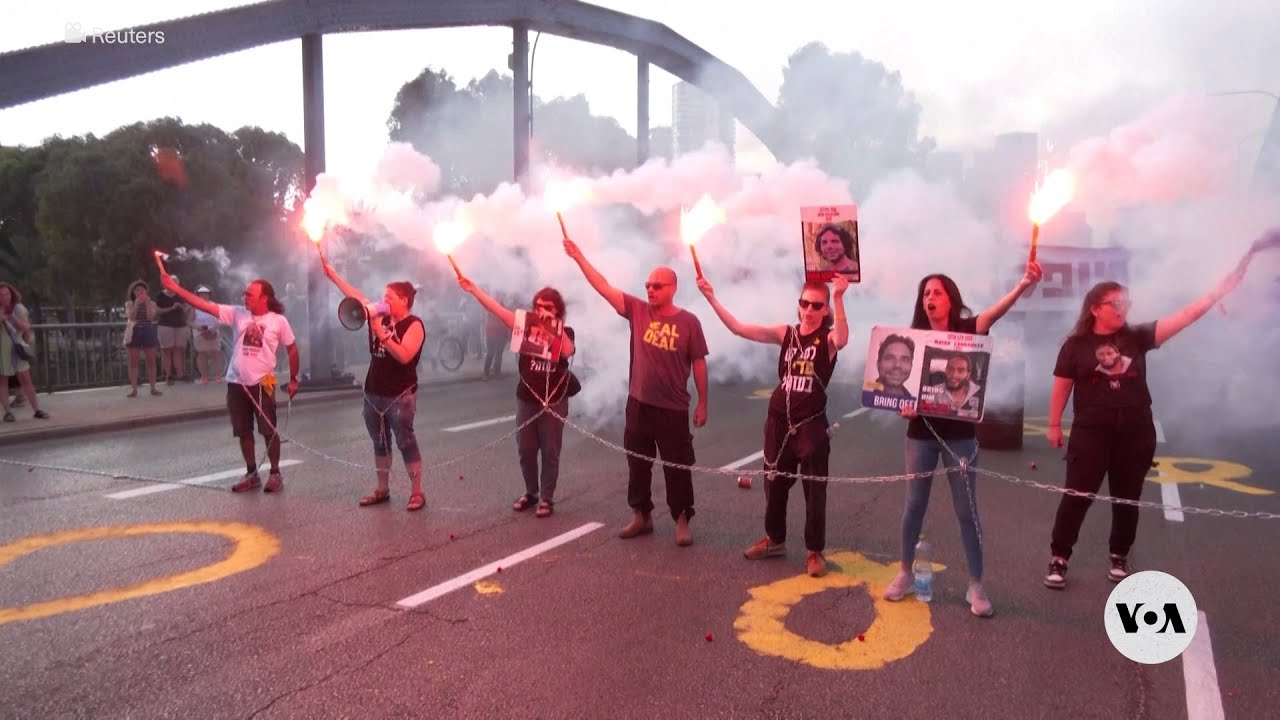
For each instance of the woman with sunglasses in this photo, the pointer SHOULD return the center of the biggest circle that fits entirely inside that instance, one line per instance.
(795, 428)
(1113, 433)
(939, 307)
(542, 384)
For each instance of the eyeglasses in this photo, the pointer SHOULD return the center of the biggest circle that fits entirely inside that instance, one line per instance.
(655, 286)
(1119, 304)
(807, 304)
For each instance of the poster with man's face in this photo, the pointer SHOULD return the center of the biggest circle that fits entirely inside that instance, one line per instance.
(829, 234)
(537, 335)
(941, 374)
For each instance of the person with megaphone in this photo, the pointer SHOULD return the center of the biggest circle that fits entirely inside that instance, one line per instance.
(391, 385)
(545, 381)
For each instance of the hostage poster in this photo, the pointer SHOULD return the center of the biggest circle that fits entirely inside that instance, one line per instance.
(943, 374)
(536, 335)
(829, 234)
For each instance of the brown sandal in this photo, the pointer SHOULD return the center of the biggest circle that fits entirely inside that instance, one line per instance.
(545, 508)
(416, 502)
(375, 498)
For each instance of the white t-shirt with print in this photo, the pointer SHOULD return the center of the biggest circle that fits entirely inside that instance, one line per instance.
(257, 338)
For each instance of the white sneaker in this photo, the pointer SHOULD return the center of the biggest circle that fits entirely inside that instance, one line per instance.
(904, 584)
(979, 604)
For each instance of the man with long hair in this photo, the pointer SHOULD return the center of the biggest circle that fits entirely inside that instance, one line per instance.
(258, 328)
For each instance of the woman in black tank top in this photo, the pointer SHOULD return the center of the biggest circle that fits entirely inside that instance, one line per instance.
(391, 385)
(796, 440)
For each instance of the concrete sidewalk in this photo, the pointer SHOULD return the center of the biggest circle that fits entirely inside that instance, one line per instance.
(81, 412)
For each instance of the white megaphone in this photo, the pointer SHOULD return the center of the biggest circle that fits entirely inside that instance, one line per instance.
(352, 315)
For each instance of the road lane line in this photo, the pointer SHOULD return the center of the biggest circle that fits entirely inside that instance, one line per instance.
(1200, 675)
(461, 581)
(480, 424)
(1159, 431)
(743, 461)
(1170, 496)
(857, 412)
(200, 480)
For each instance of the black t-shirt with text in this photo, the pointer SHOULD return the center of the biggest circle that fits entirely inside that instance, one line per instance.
(804, 371)
(1109, 371)
(387, 376)
(541, 378)
(946, 428)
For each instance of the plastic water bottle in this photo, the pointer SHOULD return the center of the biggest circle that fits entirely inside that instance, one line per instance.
(922, 568)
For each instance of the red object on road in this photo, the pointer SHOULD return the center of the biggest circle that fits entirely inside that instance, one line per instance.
(744, 482)
(710, 637)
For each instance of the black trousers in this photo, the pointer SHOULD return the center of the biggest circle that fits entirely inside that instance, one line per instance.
(1118, 445)
(805, 453)
(664, 433)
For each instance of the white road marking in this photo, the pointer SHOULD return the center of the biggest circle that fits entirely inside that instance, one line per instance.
(480, 424)
(1169, 496)
(856, 413)
(461, 581)
(200, 480)
(1200, 675)
(743, 461)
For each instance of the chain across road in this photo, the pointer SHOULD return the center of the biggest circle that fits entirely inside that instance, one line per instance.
(694, 468)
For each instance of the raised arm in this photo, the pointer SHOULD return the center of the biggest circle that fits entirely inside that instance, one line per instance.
(772, 335)
(347, 288)
(988, 317)
(840, 328)
(507, 317)
(1167, 327)
(197, 302)
(597, 281)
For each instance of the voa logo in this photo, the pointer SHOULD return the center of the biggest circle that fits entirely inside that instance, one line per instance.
(1151, 617)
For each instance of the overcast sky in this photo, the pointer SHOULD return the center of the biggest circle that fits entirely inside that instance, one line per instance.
(978, 68)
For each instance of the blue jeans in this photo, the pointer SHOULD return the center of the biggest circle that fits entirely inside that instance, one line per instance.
(922, 456)
(387, 416)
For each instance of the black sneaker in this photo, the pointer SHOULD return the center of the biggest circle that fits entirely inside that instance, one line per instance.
(250, 481)
(1057, 577)
(1119, 568)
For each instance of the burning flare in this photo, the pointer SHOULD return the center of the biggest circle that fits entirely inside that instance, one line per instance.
(319, 213)
(1051, 196)
(560, 195)
(448, 235)
(698, 220)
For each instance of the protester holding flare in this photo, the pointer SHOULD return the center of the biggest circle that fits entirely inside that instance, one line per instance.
(666, 345)
(1113, 432)
(258, 328)
(940, 307)
(795, 428)
(542, 383)
(391, 385)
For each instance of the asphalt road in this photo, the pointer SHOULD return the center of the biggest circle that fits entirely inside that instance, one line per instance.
(305, 622)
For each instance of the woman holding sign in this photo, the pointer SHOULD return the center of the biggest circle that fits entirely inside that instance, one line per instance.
(795, 430)
(1113, 434)
(939, 307)
(545, 382)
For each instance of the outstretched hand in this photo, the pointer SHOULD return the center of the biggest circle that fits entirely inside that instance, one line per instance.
(704, 285)
(467, 285)
(839, 284)
(1033, 273)
(571, 249)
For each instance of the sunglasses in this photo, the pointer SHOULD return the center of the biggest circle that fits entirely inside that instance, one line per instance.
(655, 286)
(815, 305)
(549, 307)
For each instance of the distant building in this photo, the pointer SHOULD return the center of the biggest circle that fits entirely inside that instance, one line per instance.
(697, 120)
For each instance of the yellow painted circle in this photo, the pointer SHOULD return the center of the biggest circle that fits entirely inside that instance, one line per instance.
(252, 546)
(897, 630)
